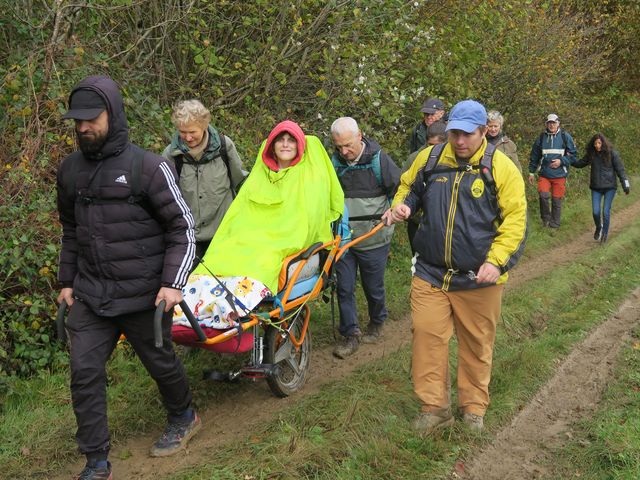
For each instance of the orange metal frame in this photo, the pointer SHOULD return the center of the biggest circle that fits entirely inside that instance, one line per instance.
(335, 253)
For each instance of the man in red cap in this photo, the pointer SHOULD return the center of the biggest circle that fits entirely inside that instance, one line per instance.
(127, 245)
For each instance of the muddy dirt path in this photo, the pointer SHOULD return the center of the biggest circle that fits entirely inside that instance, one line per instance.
(324, 368)
(521, 451)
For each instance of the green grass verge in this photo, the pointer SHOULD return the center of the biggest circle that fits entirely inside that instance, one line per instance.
(37, 424)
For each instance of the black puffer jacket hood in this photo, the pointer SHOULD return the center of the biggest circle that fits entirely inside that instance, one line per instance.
(118, 135)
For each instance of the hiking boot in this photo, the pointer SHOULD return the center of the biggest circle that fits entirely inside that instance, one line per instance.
(556, 212)
(545, 210)
(603, 238)
(95, 472)
(373, 333)
(347, 347)
(175, 437)
(428, 422)
(596, 235)
(473, 421)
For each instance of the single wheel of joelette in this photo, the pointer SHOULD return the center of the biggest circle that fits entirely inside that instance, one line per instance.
(292, 363)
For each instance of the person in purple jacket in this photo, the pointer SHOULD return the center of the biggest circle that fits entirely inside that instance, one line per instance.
(127, 244)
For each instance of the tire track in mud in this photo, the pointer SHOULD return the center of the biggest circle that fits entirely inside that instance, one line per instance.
(521, 450)
(257, 399)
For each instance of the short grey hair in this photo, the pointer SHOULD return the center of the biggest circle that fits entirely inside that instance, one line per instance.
(190, 111)
(343, 125)
(494, 116)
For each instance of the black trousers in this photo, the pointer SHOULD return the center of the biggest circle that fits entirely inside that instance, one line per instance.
(92, 339)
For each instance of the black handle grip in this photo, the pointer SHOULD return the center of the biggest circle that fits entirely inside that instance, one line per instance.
(192, 321)
(157, 323)
(61, 332)
(365, 217)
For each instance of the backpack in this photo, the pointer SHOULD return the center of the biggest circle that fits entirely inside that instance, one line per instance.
(136, 196)
(563, 135)
(179, 161)
(374, 165)
(485, 165)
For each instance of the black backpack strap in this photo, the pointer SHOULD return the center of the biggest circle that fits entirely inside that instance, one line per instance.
(434, 158)
(137, 194)
(486, 168)
(564, 139)
(225, 159)
(136, 174)
(71, 176)
(178, 162)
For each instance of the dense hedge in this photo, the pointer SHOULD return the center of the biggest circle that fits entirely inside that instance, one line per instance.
(255, 63)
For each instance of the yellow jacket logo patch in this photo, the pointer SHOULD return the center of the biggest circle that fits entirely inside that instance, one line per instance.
(477, 188)
(442, 179)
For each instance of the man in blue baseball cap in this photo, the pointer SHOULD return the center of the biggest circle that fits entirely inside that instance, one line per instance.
(472, 231)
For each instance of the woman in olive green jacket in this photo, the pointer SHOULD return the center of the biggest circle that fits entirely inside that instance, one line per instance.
(208, 166)
(495, 121)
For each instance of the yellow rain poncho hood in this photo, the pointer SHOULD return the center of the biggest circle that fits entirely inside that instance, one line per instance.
(276, 213)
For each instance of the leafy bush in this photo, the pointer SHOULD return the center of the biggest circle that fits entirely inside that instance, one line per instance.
(255, 63)
(28, 265)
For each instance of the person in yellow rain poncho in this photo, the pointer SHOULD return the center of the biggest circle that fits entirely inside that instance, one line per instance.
(287, 203)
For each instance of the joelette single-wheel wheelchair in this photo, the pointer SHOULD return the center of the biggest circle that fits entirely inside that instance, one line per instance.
(277, 331)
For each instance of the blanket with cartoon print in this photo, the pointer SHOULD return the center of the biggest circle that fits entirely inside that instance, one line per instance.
(217, 303)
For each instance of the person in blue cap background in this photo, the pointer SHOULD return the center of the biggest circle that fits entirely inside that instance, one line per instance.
(473, 230)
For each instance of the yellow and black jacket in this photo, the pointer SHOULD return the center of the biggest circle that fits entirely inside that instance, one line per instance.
(465, 223)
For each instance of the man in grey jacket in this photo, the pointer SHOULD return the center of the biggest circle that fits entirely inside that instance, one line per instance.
(127, 245)
(209, 168)
(369, 179)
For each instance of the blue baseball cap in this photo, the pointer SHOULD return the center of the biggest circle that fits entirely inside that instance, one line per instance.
(467, 115)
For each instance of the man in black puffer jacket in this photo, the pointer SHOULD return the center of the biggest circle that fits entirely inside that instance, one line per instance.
(127, 244)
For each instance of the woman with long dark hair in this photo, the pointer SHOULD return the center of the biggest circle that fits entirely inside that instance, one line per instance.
(605, 166)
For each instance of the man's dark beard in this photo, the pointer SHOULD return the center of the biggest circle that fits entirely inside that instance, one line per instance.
(90, 144)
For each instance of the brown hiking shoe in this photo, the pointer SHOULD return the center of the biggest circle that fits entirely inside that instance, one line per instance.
(347, 347)
(175, 437)
(473, 421)
(373, 333)
(428, 422)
